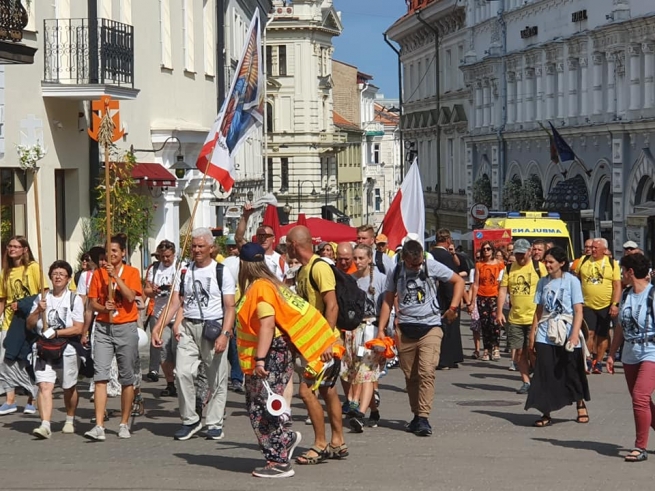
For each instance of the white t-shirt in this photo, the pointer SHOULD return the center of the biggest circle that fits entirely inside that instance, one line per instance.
(84, 282)
(206, 292)
(162, 276)
(276, 265)
(233, 263)
(58, 311)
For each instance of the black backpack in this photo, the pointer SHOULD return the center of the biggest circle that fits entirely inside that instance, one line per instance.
(649, 304)
(535, 265)
(379, 262)
(350, 298)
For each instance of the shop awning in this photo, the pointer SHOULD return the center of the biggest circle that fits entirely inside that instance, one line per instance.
(153, 175)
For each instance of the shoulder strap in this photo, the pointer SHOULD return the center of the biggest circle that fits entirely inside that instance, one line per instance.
(584, 260)
(182, 275)
(396, 273)
(281, 262)
(379, 262)
(649, 306)
(73, 296)
(509, 267)
(219, 277)
(537, 269)
(311, 277)
(626, 292)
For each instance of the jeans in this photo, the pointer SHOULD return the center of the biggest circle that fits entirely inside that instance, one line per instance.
(233, 358)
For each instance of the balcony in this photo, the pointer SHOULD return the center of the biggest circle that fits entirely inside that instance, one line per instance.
(13, 19)
(86, 59)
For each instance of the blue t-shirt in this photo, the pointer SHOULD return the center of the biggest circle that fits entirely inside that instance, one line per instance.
(557, 296)
(637, 326)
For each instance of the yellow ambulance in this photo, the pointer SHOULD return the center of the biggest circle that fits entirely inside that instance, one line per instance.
(533, 225)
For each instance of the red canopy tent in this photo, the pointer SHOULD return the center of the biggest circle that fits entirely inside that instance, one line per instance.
(324, 230)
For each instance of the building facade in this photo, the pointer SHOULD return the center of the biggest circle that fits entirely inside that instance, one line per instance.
(586, 67)
(433, 38)
(301, 139)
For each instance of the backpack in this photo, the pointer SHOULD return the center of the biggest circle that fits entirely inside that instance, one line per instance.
(586, 258)
(535, 265)
(350, 298)
(649, 302)
(379, 262)
(219, 278)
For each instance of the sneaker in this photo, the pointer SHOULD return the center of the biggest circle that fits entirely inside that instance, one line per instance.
(345, 407)
(124, 431)
(97, 433)
(238, 387)
(29, 409)
(42, 432)
(153, 376)
(357, 424)
(308, 421)
(512, 366)
(374, 419)
(412, 425)
(525, 387)
(423, 427)
(376, 398)
(69, 428)
(8, 409)
(169, 391)
(273, 470)
(214, 434)
(353, 409)
(293, 444)
(187, 431)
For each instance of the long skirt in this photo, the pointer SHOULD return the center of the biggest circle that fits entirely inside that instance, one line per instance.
(559, 379)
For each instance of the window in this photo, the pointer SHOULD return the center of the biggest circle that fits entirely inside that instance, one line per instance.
(276, 61)
(269, 117)
(187, 35)
(282, 54)
(208, 13)
(450, 163)
(269, 175)
(448, 70)
(419, 82)
(165, 33)
(460, 59)
(269, 60)
(375, 158)
(60, 203)
(378, 200)
(284, 173)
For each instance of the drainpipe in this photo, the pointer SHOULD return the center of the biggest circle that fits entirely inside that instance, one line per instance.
(94, 149)
(438, 103)
(220, 54)
(400, 103)
(502, 157)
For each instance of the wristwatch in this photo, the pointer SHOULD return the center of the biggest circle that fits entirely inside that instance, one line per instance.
(227, 334)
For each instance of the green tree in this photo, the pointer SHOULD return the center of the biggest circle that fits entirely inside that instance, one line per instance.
(482, 191)
(130, 210)
(518, 196)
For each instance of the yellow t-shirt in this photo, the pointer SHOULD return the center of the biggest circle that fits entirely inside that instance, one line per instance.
(324, 279)
(521, 283)
(596, 278)
(22, 282)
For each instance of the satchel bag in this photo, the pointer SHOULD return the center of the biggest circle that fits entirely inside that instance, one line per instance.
(51, 350)
(211, 328)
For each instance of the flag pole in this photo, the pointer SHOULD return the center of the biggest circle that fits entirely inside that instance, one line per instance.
(39, 247)
(551, 143)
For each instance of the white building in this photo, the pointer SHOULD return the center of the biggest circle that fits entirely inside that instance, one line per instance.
(302, 143)
(158, 58)
(434, 122)
(588, 68)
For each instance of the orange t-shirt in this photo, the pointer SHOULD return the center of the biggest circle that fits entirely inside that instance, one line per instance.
(352, 269)
(489, 276)
(125, 311)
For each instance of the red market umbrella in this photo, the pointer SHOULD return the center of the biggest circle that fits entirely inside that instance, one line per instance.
(272, 220)
(324, 230)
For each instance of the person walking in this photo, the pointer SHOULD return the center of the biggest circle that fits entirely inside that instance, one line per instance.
(559, 376)
(635, 329)
(64, 314)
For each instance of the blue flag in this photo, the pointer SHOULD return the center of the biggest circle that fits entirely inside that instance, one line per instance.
(564, 151)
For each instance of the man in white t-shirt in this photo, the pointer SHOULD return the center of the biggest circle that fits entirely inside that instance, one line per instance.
(265, 236)
(201, 296)
(159, 283)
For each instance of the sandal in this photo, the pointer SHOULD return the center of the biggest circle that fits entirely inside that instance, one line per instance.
(485, 356)
(543, 422)
(306, 459)
(637, 455)
(476, 355)
(496, 355)
(337, 452)
(583, 418)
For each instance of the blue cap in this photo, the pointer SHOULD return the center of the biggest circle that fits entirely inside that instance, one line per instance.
(252, 253)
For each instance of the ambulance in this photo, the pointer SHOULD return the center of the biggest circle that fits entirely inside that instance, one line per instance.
(533, 225)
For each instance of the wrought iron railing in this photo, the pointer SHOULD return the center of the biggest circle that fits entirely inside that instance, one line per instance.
(86, 51)
(13, 19)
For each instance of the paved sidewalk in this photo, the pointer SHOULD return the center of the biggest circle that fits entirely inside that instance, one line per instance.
(483, 439)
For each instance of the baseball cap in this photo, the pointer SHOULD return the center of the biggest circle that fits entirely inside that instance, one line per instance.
(411, 236)
(631, 244)
(521, 246)
(252, 252)
(230, 240)
(381, 239)
(283, 240)
(322, 245)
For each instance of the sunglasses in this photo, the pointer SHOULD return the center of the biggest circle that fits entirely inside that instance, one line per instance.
(486, 248)
(629, 249)
(264, 236)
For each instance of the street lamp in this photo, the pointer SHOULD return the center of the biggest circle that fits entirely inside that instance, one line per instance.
(313, 193)
(180, 167)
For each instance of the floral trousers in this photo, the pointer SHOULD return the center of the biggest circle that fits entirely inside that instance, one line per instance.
(490, 331)
(271, 434)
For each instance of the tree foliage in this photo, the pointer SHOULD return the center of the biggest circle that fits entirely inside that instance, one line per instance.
(482, 191)
(519, 196)
(130, 210)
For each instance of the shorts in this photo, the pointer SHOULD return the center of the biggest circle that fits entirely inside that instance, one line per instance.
(65, 370)
(517, 335)
(122, 341)
(598, 321)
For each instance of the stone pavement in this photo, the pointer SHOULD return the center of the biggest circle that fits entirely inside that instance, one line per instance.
(483, 439)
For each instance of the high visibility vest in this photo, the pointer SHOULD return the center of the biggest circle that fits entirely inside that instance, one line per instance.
(306, 328)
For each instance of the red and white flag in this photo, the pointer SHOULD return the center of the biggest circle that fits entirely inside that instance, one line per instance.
(242, 112)
(407, 211)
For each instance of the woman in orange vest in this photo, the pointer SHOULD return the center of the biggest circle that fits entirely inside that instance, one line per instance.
(273, 321)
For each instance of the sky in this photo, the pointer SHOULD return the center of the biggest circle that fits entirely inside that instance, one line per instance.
(361, 43)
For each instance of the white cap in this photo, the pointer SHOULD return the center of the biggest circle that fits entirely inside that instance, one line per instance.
(411, 236)
(283, 240)
(631, 244)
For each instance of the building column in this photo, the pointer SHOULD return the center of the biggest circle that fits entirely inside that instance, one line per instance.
(598, 83)
(478, 104)
(511, 97)
(584, 90)
(170, 226)
(635, 77)
(519, 96)
(573, 87)
(529, 94)
(550, 91)
(540, 92)
(486, 101)
(649, 74)
(611, 83)
(621, 103)
(561, 113)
